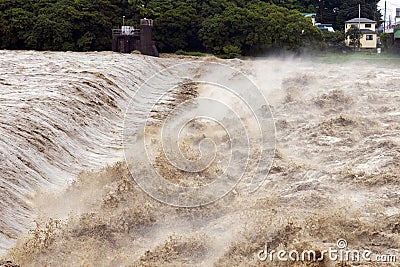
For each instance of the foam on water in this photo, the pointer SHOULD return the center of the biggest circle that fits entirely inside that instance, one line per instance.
(335, 173)
(61, 113)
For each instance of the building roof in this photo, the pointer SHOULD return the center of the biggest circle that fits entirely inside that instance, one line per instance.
(362, 20)
(367, 31)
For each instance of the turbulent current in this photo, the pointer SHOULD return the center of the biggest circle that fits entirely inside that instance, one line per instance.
(67, 193)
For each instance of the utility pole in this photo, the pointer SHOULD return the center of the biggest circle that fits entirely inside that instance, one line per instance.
(384, 20)
(375, 11)
(322, 10)
(359, 25)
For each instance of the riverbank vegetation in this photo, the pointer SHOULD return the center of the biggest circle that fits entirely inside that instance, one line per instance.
(224, 27)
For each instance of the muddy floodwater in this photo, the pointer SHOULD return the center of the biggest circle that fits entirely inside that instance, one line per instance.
(68, 196)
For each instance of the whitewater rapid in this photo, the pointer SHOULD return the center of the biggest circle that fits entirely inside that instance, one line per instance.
(335, 172)
(61, 113)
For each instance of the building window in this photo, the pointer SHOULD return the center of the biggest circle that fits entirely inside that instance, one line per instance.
(368, 25)
(369, 37)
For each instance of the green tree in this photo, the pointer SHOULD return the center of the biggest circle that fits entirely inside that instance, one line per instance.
(15, 26)
(334, 39)
(385, 38)
(243, 28)
(306, 6)
(177, 28)
(220, 26)
(354, 35)
(59, 25)
(257, 28)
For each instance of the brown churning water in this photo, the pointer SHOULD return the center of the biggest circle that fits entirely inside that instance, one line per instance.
(68, 199)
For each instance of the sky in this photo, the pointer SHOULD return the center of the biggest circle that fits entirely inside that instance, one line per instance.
(391, 6)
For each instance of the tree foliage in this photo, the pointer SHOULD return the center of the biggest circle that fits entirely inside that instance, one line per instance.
(306, 6)
(257, 28)
(79, 25)
(335, 39)
(177, 28)
(385, 38)
(231, 27)
(354, 35)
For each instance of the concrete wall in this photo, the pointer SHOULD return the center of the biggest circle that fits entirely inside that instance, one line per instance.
(368, 43)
